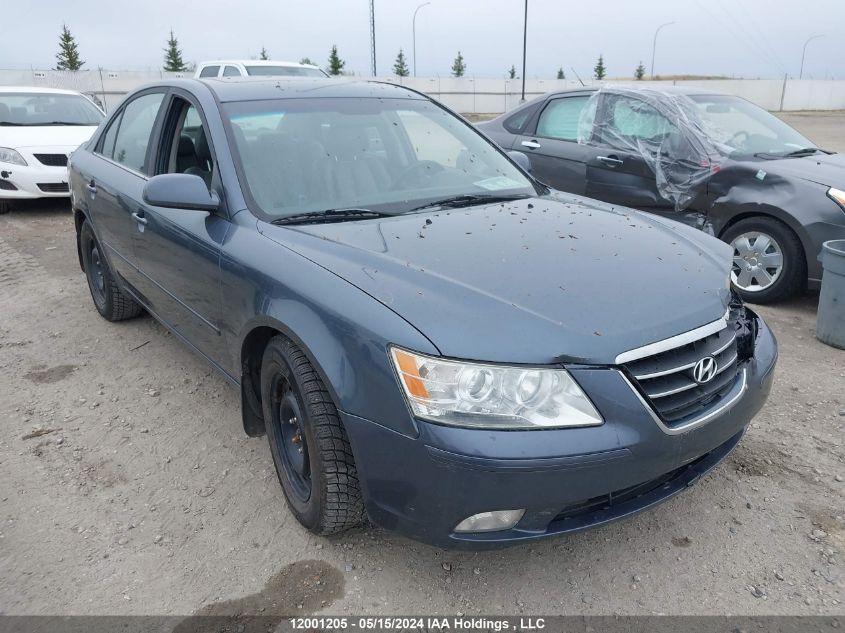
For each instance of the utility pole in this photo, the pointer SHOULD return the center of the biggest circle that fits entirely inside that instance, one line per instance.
(373, 36)
(414, 34)
(654, 45)
(524, 48)
(804, 52)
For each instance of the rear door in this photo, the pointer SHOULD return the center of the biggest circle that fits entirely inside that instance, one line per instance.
(178, 250)
(616, 172)
(116, 181)
(551, 142)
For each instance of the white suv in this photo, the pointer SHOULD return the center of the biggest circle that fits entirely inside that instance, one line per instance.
(39, 128)
(256, 68)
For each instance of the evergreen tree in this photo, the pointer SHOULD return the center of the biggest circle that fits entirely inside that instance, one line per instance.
(639, 73)
(599, 69)
(173, 61)
(560, 73)
(68, 56)
(400, 67)
(512, 72)
(263, 54)
(306, 60)
(336, 64)
(458, 66)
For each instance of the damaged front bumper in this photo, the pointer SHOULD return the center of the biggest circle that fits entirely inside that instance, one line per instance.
(565, 479)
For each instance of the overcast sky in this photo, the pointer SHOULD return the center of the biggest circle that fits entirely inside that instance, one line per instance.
(750, 38)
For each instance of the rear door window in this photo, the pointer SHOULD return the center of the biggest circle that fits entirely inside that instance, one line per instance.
(559, 119)
(231, 71)
(210, 71)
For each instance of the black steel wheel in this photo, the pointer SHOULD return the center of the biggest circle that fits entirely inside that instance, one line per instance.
(111, 302)
(310, 448)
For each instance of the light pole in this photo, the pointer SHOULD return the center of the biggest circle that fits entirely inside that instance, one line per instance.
(654, 45)
(414, 34)
(804, 52)
(524, 48)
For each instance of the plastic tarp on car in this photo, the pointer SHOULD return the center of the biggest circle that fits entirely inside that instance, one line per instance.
(662, 127)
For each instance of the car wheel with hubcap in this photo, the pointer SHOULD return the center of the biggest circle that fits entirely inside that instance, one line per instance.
(111, 302)
(310, 448)
(768, 260)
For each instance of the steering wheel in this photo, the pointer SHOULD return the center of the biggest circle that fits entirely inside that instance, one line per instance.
(416, 172)
(734, 140)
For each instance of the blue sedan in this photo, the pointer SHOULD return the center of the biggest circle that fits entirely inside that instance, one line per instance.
(427, 336)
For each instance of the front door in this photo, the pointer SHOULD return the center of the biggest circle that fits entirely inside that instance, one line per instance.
(178, 250)
(617, 172)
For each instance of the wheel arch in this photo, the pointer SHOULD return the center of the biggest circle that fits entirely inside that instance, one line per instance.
(750, 211)
(253, 343)
(79, 216)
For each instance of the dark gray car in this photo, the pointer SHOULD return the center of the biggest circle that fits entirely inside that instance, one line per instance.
(713, 160)
(426, 335)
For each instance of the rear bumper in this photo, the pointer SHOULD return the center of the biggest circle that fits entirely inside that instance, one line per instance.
(566, 480)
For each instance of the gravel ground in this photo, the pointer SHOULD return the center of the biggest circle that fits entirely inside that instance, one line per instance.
(127, 486)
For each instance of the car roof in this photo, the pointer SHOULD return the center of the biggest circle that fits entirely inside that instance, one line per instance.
(260, 88)
(37, 90)
(678, 90)
(256, 62)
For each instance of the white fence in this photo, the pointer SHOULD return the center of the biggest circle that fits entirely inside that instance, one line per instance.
(465, 94)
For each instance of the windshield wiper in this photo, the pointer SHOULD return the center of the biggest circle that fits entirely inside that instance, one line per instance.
(468, 200)
(329, 215)
(804, 151)
(10, 123)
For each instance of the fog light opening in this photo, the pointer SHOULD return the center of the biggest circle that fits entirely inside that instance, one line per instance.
(493, 521)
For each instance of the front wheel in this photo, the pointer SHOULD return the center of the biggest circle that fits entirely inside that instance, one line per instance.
(768, 260)
(5, 206)
(310, 449)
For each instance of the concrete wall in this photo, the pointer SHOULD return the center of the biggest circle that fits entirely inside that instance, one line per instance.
(465, 94)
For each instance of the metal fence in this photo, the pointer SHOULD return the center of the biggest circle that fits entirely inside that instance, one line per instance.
(464, 94)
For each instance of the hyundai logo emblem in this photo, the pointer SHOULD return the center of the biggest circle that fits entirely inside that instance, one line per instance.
(705, 370)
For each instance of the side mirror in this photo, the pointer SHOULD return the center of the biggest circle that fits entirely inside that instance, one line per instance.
(180, 191)
(521, 159)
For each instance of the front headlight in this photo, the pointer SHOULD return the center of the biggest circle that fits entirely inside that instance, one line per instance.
(838, 195)
(8, 155)
(491, 396)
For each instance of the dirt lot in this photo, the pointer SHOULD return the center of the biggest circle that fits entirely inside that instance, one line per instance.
(127, 485)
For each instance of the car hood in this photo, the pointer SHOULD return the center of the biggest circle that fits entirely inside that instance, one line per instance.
(71, 136)
(553, 279)
(823, 169)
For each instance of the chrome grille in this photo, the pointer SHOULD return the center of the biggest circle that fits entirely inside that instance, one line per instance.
(52, 160)
(666, 379)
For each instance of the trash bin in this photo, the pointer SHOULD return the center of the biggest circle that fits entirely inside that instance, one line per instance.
(830, 322)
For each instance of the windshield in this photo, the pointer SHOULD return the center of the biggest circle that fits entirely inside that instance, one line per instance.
(284, 71)
(32, 108)
(746, 128)
(385, 155)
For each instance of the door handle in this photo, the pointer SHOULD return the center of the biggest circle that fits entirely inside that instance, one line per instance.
(531, 144)
(610, 161)
(91, 186)
(139, 217)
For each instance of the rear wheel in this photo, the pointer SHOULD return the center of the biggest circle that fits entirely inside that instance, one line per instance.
(5, 206)
(768, 260)
(310, 448)
(111, 302)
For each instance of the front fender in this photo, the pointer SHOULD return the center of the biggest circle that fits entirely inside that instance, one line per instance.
(344, 332)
